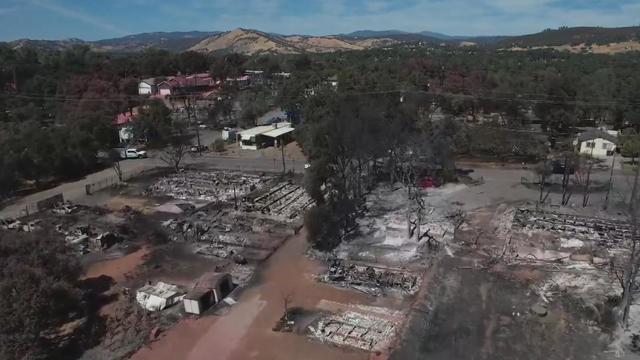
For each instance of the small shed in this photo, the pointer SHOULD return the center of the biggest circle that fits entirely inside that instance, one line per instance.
(210, 289)
(229, 133)
(159, 296)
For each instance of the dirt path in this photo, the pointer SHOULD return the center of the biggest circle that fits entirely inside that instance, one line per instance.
(117, 268)
(245, 331)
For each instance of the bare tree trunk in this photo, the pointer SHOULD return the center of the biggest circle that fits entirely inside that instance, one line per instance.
(566, 195)
(634, 193)
(284, 167)
(543, 182)
(585, 198)
(610, 185)
(631, 270)
(118, 170)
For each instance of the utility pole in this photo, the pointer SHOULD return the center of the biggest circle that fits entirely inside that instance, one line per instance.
(634, 191)
(585, 198)
(197, 128)
(187, 104)
(284, 170)
(631, 270)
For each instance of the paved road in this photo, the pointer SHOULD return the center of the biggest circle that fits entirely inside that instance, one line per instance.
(74, 191)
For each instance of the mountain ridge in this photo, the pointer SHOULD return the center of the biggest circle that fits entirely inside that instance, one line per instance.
(249, 41)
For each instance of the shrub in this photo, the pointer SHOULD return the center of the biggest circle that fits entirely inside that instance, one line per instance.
(218, 145)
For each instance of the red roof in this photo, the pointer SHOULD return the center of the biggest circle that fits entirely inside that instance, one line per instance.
(195, 80)
(125, 117)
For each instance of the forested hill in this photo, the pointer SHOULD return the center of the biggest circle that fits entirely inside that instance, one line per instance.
(573, 36)
(172, 41)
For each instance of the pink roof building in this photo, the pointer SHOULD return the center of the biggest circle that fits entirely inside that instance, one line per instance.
(125, 117)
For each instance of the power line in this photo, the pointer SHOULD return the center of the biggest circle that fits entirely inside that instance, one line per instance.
(513, 97)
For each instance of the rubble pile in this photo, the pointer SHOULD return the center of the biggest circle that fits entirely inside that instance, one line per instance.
(17, 225)
(87, 238)
(65, 208)
(206, 186)
(284, 200)
(383, 236)
(85, 229)
(355, 330)
(373, 281)
(606, 233)
(228, 234)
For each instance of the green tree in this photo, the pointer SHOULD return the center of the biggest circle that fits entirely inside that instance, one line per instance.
(153, 123)
(38, 293)
(630, 144)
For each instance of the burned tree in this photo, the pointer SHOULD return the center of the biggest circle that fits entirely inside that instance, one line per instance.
(176, 146)
(627, 275)
(114, 159)
(543, 173)
(174, 153)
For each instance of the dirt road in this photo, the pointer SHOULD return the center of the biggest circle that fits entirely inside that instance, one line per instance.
(245, 331)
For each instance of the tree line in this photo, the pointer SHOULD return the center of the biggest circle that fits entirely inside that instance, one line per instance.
(57, 107)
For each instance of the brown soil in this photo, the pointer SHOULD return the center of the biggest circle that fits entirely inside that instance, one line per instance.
(245, 332)
(117, 269)
(143, 205)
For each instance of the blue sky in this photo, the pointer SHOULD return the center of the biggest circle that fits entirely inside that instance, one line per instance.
(99, 19)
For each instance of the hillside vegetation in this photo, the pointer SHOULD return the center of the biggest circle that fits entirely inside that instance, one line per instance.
(577, 38)
(249, 42)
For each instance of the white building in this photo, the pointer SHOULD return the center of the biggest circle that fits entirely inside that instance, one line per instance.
(148, 87)
(228, 134)
(159, 296)
(264, 136)
(597, 143)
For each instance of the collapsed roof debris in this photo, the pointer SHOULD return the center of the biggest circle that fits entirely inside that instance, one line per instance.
(370, 280)
(368, 328)
(606, 233)
(206, 186)
(286, 200)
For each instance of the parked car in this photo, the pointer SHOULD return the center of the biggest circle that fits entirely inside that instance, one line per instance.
(559, 168)
(198, 148)
(133, 154)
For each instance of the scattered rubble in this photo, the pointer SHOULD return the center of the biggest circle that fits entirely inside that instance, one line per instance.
(368, 279)
(64, 208)
(206, 186)
(285, 200)
(363, 327)
(17, 225)
(383, 237)
(159, 296)
(86, 238)
(606, 233)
